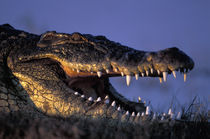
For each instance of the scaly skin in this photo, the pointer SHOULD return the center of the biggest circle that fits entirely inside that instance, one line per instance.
(52, 67)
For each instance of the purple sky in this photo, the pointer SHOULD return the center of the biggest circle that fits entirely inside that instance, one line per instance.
(141, 24)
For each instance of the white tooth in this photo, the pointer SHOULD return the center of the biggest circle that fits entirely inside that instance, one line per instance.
(91, 72)
(174, 73)
(147, 110)
(169, 112)
(172, 116)
(76, 93)
(185, 77)
(142, 114)
(138, 114)
(158, 72)
(99, 99)
(118, 109)
(147, 72)
(161, 80)
(78, 71)
(115, 70)
(144, 102)
(128, 79)
(139, 99)
(99, 73)
(127, 113)
(178, 115)
(142, 74)
(106, 97)
(113, 104)
(137, 76)
(151, 70)
(133, 114)
(107, 70)
(82, 96)
(164, 76)
(162, 118)
(73, 69)
(122, 74)
(90, 99)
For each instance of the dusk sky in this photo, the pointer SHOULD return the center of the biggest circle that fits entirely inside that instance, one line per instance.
(148, 25)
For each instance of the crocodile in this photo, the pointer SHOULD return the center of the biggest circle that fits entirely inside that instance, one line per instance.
(59, 74)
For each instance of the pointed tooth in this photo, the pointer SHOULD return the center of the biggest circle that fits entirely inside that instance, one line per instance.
(113, 104)
(164, 76)
(142, 74)
(118, 108)
(169, 111)
(127, 113)
(107, 70)
(147, 72)
(174, 73)
(137, 76)
(122, 74)
(185, 77)
(178, 115)
(82, 96)
(76, 93)
(133, 114)
(99, 73)
(138, 114)
(147, 110)
(142, 114)
(158, 72)
(151, 70)
(106, 97)
(128, 79)
(90, 99)
(115, 70)
(139, 99)
(78, 71)
(98, 99)
(161, 80)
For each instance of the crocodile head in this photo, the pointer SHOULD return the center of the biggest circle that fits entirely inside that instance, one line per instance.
(67, 74)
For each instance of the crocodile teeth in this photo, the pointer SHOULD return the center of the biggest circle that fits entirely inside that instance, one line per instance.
(158, 72)
(142, 114)
(139, 99)
(151, 70)
(128, 79)
(185, 77)
(164, 76)
(99, 73)
(76, 93)
(137, 76)
(82, 96)
(113, 104)
(98, 99)
(161, 80)
(90, 99)
(78, 71)
(127, 113)
(178, 115)
(107, 70)
(147, 110)
(169, 111)
(174, 74)
(118, 109)
(122, 74)
(138, 114)
(142, 74)
(115, 70)
(133, 114)
(147, 72)
(106, 97)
